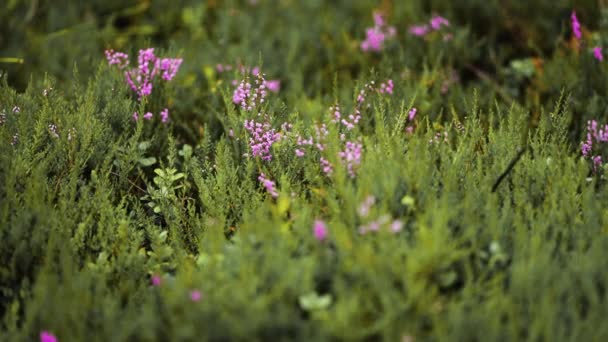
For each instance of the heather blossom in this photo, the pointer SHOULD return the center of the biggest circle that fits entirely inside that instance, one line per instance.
(351, 156)
(597, 136)
(576, 26)
(156, 280)
(375, 36)
(262, 137)
(46, 336)
(250, 96)
(320, 230)
(269, 185)
(195, 295)
(597, 53)
(435, 24)
(164, 115)
(140, 79)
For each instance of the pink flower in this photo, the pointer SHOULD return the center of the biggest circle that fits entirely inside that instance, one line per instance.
(597, 53)
(269, 185)
(351, 156)
(299, 153)
(135, 116)
(320, 230)
(164, 115)
(378, 19)
(419, 30)
(156, 280)
(169, 67)
(195, 295)
(148, 116)
(375, 36)
(576, 26)
(438, 21)
(46, 336)
(396, 226)
(412, 114)
(273, 85)
(117, 58)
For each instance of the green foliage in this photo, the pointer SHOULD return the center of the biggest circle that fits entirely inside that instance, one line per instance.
(93, 204)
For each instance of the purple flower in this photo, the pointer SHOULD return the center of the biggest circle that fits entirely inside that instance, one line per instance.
(576, 26)
(438, 21)
(140, 79)
(320, 230)
(135, 116)
(373, 41)
(269, 185)
(262, 137)
(156, 280)
(169, 67)
(597, 53)
(375, 36)
(326, 166)
(46, 336)
(164, 115)
(378, 19)
(396, 226)
(148, 116)
(195, 295)
(351, 156)
(273, 85)
(117, 58)
(419, 30)
(412, 114)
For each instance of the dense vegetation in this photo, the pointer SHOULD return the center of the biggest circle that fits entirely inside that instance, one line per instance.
(303, 170)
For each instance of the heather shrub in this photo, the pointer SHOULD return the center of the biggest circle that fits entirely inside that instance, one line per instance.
(308, 170)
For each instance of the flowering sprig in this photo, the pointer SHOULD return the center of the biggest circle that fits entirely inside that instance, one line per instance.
(269, 185)
(578, 36)
(351, 153)
(149, 66)
(591, 148)
(141, 79)
(376, 35)
(375, 225)
(436, 23)
(250, 96)
(576, 26)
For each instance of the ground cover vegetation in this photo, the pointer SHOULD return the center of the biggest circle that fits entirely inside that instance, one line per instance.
(303, 170)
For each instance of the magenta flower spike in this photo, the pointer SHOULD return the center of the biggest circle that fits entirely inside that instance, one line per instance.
(46, 336)
(320, 230)
(576, 26)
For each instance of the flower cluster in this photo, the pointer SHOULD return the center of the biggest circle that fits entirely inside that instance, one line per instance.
(250, 96)
(410, 119)
(319, 230)
(578, 36)
(261, 138)
(269, 185)
(384, 221)
(46, 336)
(375, 36)
(435, 24)
(351, 156)
(164, 116)
(596, 135)
(576, 26)
(272, 85)
(149, 66)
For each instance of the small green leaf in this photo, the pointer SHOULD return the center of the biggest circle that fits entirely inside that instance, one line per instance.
(147, 161)
(312, 301)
